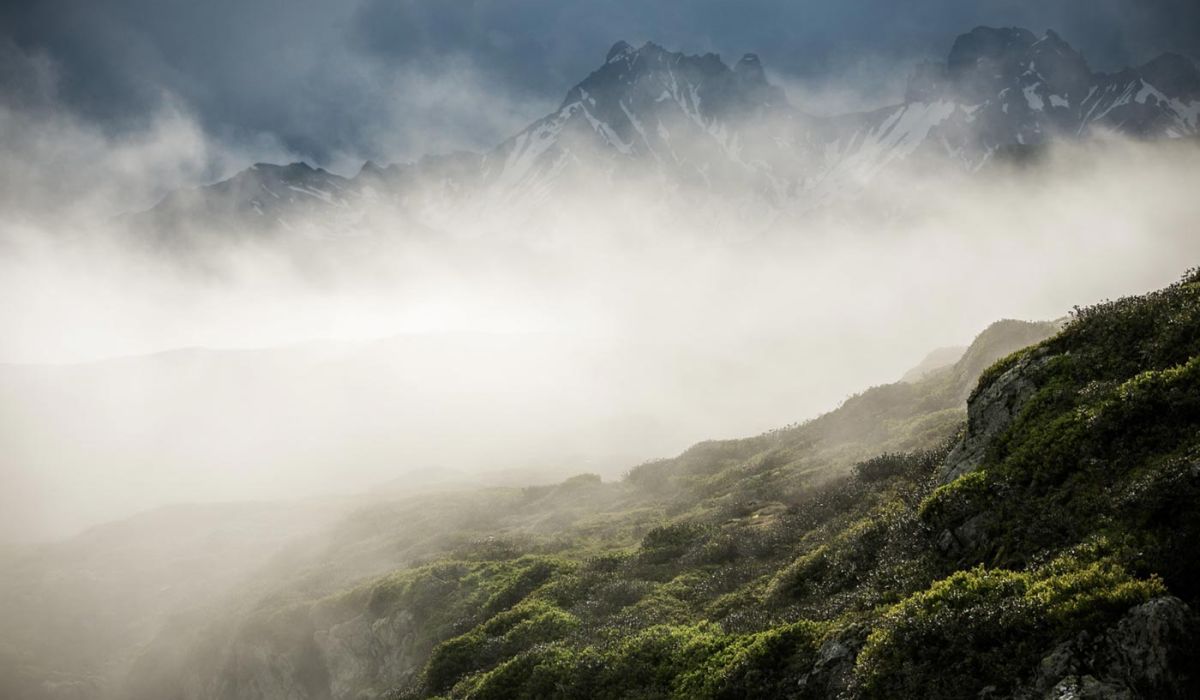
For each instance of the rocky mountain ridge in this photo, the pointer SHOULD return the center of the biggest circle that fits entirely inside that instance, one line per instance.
(678, 124)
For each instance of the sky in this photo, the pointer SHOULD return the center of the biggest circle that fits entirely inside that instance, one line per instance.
(336, 83)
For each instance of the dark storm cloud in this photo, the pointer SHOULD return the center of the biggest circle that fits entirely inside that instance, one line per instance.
(377, 78)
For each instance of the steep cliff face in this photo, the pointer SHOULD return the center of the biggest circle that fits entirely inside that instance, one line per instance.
(990, 412)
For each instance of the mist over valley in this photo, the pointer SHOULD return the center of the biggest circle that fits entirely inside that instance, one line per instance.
(709, 379)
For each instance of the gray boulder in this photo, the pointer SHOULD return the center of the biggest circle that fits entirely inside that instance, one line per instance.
(1149, 653)
(991, 412)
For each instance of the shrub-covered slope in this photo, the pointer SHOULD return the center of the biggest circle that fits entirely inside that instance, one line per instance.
(1045, 548)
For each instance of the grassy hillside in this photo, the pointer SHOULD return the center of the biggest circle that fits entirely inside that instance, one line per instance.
(1036, 543)
(1054, 562)
(753, 544)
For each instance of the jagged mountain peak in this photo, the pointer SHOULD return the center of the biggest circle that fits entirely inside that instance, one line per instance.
(1173, 74)
(1004, 88)
(686, 114)
(698, 119)
(632, 75)
(1062, 68)
(986, 60)
(618, 50)
(626, 65)
(988, 46)
(692, 119)
(750, 69)
(297, 174)
(296, 166)
(370, 168)
(624, 52)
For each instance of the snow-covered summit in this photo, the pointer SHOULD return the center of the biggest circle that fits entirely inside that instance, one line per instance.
(680, 122)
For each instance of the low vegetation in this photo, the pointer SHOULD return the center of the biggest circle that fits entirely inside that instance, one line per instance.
(831, 558)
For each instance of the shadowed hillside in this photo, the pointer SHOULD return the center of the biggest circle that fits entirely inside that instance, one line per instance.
(1037, 543)
(740, 493)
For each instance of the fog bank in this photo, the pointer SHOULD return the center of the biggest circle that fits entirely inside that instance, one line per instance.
(609, 328)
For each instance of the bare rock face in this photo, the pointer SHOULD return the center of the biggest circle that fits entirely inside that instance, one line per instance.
(257, 670)
(321, 656)
(833, 670)
(967, 537)
(362, 653)
(1149, 653)
(990, 413)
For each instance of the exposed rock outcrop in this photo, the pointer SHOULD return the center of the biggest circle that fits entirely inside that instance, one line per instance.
(1149, 653)
(363, 653)
(991, 412)
(833, 671)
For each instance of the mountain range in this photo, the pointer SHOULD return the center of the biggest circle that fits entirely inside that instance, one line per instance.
(693, 125)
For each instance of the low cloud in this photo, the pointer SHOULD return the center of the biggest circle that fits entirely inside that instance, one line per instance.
(606, 326)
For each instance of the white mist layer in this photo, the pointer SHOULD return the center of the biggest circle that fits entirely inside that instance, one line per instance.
(601, 331)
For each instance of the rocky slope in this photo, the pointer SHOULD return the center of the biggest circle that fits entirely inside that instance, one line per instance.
(220, 628)
(1036, 544)
(1044, 550)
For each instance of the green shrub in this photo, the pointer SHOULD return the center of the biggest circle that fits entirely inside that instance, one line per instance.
(981, 627)
(892, 464)
(513, 583)
(507, 634)
(766, 664)
(662, 544)
(951, 504)
(549, 671)
(786, 544)
(453, 659)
